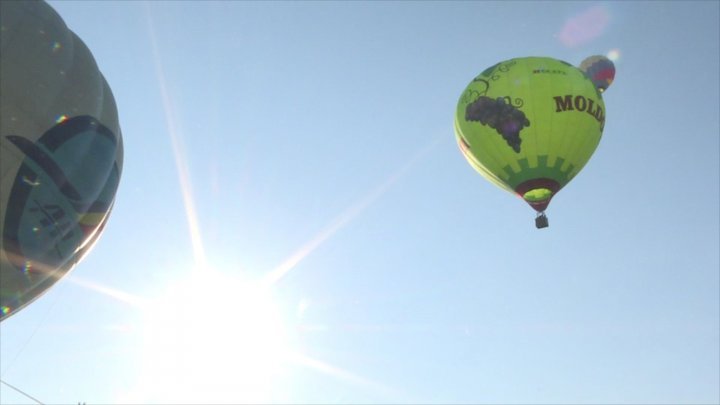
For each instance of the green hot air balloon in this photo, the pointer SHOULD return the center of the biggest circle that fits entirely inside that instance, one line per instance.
(529, 125)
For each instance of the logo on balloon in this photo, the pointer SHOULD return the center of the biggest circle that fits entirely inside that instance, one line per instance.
(580, 103)
(500, 115)
(61, 194)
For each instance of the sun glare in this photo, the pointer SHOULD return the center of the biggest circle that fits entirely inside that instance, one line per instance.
(212, 339)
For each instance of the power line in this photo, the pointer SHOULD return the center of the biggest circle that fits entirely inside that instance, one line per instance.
(22, 392)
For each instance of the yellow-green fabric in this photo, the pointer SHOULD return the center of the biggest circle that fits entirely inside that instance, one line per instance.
(529, 125)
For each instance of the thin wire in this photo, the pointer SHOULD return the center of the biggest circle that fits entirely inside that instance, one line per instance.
(21, 391)
(61, 291)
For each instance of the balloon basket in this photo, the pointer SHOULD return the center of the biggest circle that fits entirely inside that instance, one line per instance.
(541, 221)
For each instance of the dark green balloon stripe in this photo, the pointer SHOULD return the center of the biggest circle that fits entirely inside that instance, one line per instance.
(542, 170)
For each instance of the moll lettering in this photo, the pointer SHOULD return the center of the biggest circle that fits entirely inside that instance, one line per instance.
(579, 103)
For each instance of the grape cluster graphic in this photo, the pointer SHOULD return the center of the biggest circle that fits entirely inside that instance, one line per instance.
(507, 120)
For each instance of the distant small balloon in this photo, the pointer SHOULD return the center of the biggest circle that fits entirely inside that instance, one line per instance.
(600, 70)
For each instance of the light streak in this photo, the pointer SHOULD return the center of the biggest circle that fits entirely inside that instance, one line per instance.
(346, 217)
(171, 121)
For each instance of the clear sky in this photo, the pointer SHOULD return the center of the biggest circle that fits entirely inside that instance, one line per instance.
(296, 224)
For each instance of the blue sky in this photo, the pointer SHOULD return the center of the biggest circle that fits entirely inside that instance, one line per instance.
(295, 223)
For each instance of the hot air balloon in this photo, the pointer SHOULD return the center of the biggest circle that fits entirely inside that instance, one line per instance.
(60, 151)
(600, 70)
(529, 125)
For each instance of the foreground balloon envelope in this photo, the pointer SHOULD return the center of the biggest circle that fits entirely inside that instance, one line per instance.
(60, 151)
(529, 125)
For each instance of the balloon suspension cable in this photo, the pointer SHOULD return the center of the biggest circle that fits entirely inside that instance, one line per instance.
(541, 220)
(22, 392)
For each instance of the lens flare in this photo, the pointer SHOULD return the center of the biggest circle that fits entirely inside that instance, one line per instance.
(584, 27)
(613, 55)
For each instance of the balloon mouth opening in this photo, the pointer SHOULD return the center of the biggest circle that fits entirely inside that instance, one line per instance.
(538, 198)
(537, 195)
(538, 192)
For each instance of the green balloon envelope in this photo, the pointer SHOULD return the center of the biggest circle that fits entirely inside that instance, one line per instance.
(529, 125)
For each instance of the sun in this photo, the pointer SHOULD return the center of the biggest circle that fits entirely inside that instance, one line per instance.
(211, 338)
